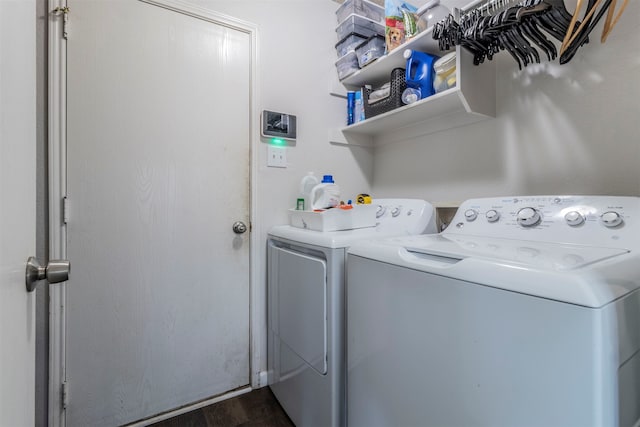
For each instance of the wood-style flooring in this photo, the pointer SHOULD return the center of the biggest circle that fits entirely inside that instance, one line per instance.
(256, 408)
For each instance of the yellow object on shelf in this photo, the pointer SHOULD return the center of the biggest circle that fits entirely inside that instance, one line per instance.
(363, 199)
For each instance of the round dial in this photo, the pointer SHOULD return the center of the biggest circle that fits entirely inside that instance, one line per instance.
(611, 219)
(470, 215)
(492, 215)
(528, 217)
(380, 211)
(574, 218)
(396, 211)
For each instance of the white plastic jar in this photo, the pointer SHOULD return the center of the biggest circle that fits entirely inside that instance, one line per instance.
(326, 194)
(306, 186)
(445, 69)
(431, 13)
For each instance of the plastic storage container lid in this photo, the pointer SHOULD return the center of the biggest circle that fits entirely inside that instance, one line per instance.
(368, 40)
(363, 21)
(364, 3)
(344, 59)
(364, 38)
(445, 63)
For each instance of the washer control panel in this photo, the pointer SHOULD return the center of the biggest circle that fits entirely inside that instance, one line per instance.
(570, 219)
(407, 216)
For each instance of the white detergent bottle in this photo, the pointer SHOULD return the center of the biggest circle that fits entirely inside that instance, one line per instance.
(306, 185)
(326, 194)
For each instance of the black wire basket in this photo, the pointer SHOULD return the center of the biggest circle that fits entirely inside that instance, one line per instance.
(394, 100)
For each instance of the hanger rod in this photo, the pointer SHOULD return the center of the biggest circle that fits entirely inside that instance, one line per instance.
(490, 6)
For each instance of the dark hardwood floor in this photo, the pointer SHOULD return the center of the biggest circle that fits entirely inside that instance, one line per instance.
(256, 408)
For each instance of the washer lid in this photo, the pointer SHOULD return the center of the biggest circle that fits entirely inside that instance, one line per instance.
(583, 275)
(538, 255)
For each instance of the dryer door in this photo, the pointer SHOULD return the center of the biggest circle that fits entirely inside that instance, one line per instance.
(301, 295)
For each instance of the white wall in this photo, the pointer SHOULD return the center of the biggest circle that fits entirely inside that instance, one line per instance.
(296, 41)
(560, 129)
(296, 57)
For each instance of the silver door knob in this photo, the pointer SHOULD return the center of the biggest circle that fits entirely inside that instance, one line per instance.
(55, 272)
(239, 227)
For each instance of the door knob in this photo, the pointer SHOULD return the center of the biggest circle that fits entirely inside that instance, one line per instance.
(239, 227)
(55, 272)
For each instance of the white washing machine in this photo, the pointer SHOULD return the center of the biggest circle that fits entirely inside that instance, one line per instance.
(306, 329)
(523, 312)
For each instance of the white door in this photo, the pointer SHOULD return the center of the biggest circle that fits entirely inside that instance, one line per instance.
(158, 119)
(17, 210)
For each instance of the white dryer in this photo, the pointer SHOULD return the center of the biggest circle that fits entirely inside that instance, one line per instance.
(306, 329)
(524, 312)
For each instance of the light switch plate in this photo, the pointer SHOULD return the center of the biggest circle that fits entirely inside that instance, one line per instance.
(276, 156)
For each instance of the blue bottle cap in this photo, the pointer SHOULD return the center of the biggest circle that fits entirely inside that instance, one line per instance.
(327, 179)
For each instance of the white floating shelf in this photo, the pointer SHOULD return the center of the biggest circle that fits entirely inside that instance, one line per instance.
(472, 100)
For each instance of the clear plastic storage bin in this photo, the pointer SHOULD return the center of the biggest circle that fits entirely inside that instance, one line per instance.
(370, 50)
(360, 7)
(445, 69)
(347, 65)
(349, 43)
(357, 24)
(431, 13)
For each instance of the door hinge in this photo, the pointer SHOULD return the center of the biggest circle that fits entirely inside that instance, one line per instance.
(65, 210)
(64, 395)
(64, 11)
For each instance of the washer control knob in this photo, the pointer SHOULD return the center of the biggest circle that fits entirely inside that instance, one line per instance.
(528, 217)
(396, 211)
(611, 219)
(470, 214)
(574, 218)
(380, 211)
(492, 215)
